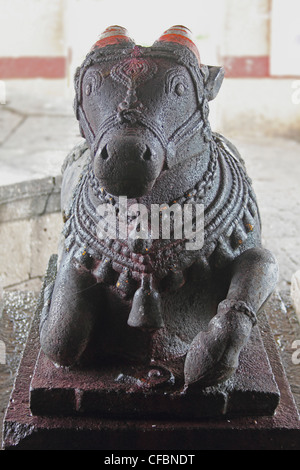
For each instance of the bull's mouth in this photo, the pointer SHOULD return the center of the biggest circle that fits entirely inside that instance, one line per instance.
(131, 187)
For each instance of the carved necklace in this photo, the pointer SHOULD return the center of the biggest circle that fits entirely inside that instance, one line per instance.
(228, 220)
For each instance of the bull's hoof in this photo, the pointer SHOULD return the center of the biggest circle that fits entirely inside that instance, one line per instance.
(213, 355)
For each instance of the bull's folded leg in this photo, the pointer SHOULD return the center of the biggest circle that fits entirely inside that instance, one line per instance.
(67, 318)
(213, 355)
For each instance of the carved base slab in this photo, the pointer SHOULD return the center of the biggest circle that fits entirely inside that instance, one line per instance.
(148, 392)
(122, 408)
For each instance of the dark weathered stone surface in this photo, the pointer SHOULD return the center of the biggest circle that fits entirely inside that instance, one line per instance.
(30, 199)
(53, 430)
(140, 392)
(25, 431)
(131, 295)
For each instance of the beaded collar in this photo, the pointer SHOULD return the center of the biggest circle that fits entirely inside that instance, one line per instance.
(228, 220)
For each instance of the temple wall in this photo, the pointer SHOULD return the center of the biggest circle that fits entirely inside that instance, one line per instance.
(45, 41)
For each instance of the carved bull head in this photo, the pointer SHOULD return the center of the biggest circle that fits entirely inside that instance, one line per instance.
(143, 110)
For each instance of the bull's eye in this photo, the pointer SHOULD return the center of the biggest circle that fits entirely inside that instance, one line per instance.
(176, 82)
(179, 89)
(92, 82)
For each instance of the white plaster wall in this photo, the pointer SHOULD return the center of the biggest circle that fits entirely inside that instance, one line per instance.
(246, 28)
(264, 107)
(31, 28)
(220, 27)
(285, 48)
(85, 20)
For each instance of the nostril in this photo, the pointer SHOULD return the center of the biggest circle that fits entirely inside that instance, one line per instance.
(147, 155)
(104, 153)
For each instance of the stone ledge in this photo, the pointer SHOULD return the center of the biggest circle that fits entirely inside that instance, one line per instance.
(30, 199)
(26, 247)
(30, 226)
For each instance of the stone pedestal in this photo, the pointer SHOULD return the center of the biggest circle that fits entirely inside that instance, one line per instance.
(117, 409)
(152, 392)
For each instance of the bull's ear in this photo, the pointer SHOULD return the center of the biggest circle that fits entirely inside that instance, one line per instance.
(214, 81)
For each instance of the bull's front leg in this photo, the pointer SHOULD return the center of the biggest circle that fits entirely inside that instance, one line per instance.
(213, 355)
(68, 315)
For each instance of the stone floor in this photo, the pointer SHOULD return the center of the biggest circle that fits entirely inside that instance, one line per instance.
(274, 166)
(36, 133)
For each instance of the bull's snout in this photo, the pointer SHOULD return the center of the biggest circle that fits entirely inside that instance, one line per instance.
(131, 149)
(129, 164)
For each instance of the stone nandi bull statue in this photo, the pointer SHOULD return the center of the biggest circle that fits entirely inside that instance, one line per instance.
(143, 112)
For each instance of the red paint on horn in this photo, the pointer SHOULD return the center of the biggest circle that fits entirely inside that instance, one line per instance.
(113, 35)
(180, 35)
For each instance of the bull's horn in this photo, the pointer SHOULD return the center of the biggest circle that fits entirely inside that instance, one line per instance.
(113, 35)
(180, 35)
